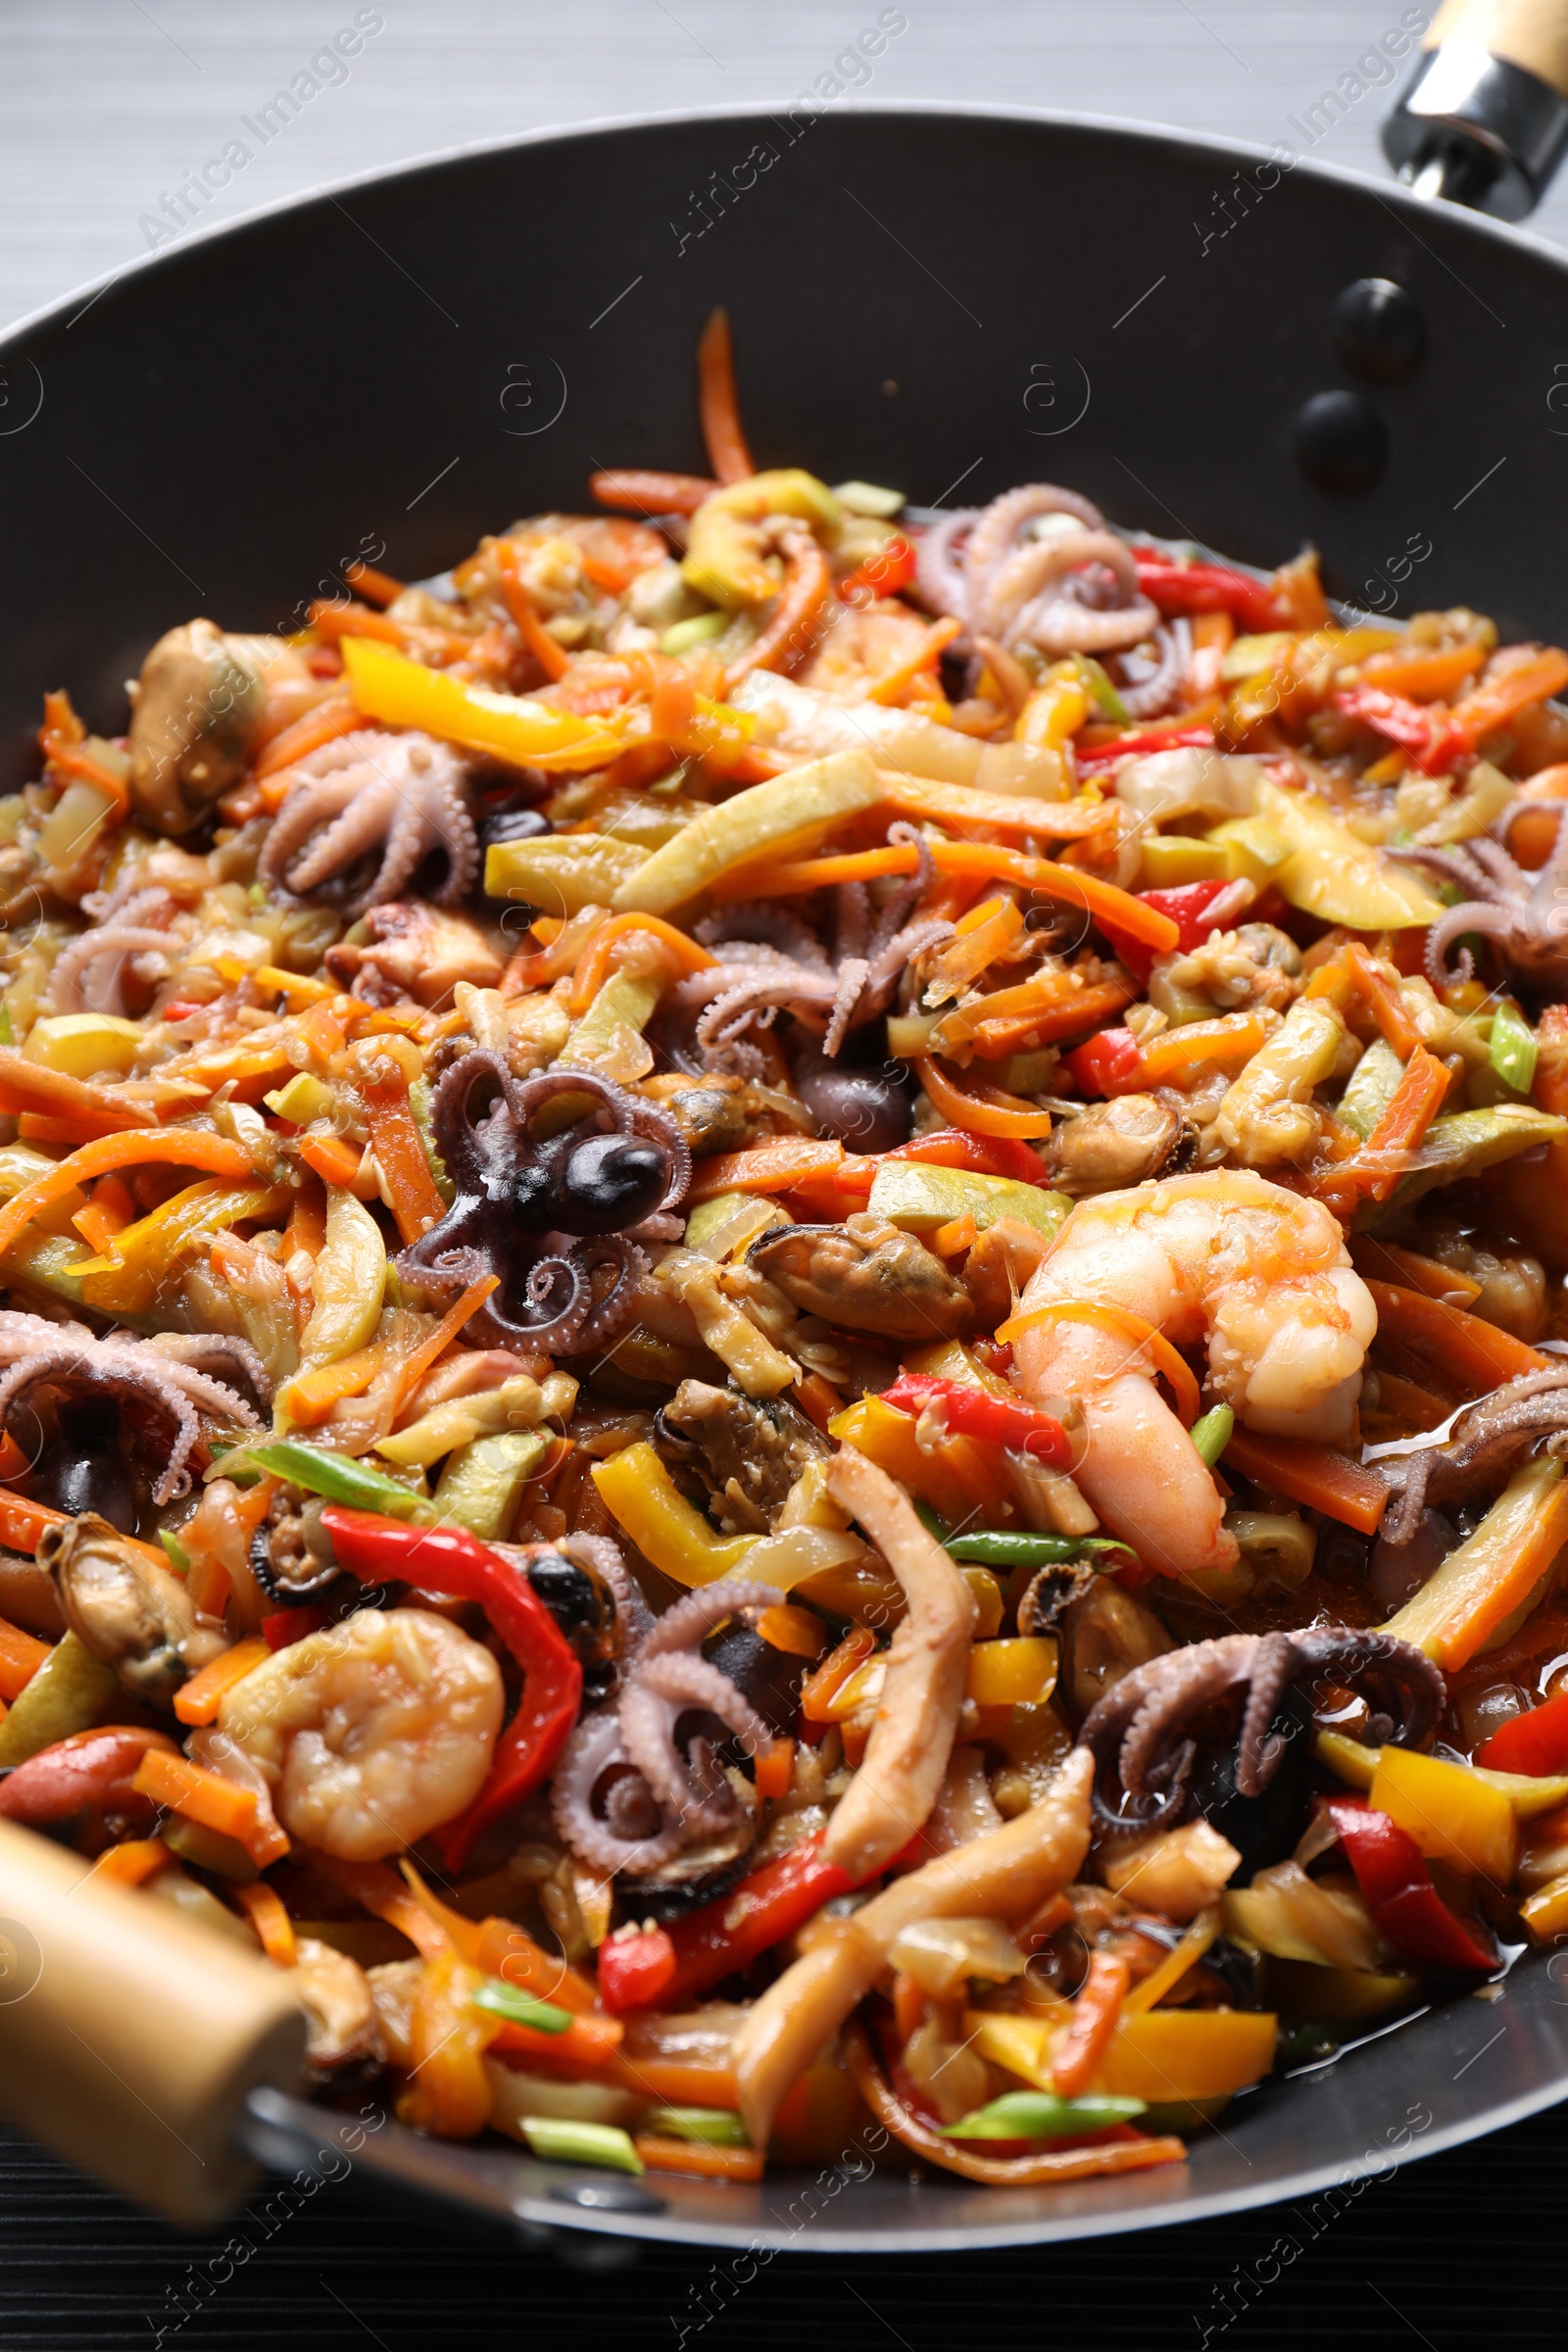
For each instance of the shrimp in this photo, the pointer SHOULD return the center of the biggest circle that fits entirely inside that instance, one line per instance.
(371, 1732)
(1259, 1272)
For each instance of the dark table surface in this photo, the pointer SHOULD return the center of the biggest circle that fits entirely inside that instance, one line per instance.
(105, 104)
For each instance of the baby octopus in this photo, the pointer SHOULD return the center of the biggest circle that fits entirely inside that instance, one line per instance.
(402, 795)
(1038, 567)
(1136, 1732)
(548, 1216)
(1261, 1273)
(1526, 914)
(768, 957)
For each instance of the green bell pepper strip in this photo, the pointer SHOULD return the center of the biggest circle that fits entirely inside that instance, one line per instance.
(1039, 2115)
(338, 1478)
(520, 2008)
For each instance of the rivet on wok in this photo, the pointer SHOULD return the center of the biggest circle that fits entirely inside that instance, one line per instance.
(1378, 330)
(607, 2197)
(1341, 442)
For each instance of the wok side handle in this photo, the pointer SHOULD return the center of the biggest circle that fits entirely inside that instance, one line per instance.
(130, 2036)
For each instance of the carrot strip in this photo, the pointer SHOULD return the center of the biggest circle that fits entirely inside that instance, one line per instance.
(1319, 1476)
(30, 1086)
(955, 1235)
(698, 2160)
(440, 1340)
(399, 1149)
(1126, 1325)
(206, 1797)
(22, 1522)
(311, 1396)
(1391, 1261)
(637, 490)
(510, 1952)
(272, 1923)
(1353, 972)
(332, 1160)
(1376, 1167)
(180, 1146)
(130, 1863)
(1071, 1015)
(308, 733)
(990, 1111)
(379, 586)
(13, 1462)
(1093, 2022)
(373, 1887)
(1422, 677)
(767, 1169)
(196, 1701)
(897, 680)
(81, 766)
(1442, 1347)
(594, 968)
(21, 1657)
(716, 402)
(1493, 705)
(551, 656)
(587, 2045)
(788, 634)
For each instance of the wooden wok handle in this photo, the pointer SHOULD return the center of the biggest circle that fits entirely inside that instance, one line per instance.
(1530, 33)
(130, 2036)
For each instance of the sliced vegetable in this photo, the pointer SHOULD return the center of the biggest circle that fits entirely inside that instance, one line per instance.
(1212, 1432)
(1453, 1814)
(336, 1476)
(974, 1413)
(520, 2008)
(1513, 1048)
(1536, 1742)
(1003, 1548)
(558, 2141)
(65, 1693)
(639, 1493)
(1397, 1886)
(922, 1198)
(1319, 1476)
(525, 732)
(778, 818)
(1037, 2115)
(635, 1968)
(1494, 1572)
(708, 2126)
(1333, 875)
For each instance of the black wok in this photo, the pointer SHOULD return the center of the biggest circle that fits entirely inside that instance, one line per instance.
(948, 300)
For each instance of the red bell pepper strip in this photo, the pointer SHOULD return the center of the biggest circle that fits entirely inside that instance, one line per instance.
(1107, 1064)
(635, 1970)
(891, 568)
(447, 1559)
(1535, 1744)
(950, 1148)
(90, 1773)
(1424, 730)
(733, 1930)
(1187, 906)
(1208, 588)
(975, 1414)
(1392, 1874)
(284, 1627)
(1147, 739)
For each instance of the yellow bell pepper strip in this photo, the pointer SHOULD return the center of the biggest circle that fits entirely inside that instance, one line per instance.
(779, 818)
(1163, 2055)
(1020, 1671)
(1494, 1573)
(1546, 1914)
(1453, 1815)
(127, 1278)
(955, 1475)
(216, 1804)
(177, 1147)
(67, 1689)
(1400, 1895)
(1529, 1794)
(639, 1493)
(388, 686)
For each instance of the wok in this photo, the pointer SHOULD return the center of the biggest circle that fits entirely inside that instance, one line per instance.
(951, 300)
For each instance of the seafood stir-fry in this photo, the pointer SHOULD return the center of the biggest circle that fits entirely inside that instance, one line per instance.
(784, 1363)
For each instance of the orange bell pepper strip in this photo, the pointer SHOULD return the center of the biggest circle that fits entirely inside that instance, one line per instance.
(1445, 1348)
(21, 1657)
(197, 1700)
(1093, 2022)
(28, 1086)
(640, 490)
(273, 1923)
(448, 2092)
(1014, 1027)
(1502, 698)
(1422, 676)
(1125, 1325)
(177, 1147)
(206, 1797)
(988, 1111)
(1319, 1476)
(1225, 1044)
(717, 404)
(901, 676)
(131, 1863)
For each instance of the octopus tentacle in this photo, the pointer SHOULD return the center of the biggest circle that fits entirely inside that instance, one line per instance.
(756, 921)
(1155, 690)
(1486, 1441)
(695, 1617)
(202, 1351)
(403, 793)
(996, 533)
(594, 1747)
(940, 577)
